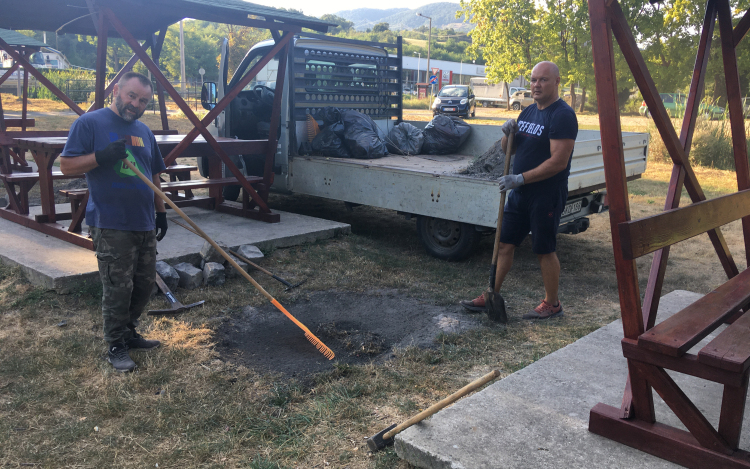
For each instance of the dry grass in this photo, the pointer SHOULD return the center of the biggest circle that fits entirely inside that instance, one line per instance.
(62, 405)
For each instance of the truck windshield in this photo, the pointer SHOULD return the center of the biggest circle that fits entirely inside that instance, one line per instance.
(453, 93)
(266, 76)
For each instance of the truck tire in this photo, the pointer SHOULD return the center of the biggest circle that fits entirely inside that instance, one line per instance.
(446, 239)
(516, 106)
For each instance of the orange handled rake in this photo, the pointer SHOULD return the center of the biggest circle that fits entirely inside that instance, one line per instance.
(309, 335)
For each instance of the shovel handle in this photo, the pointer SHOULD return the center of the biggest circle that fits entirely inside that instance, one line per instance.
(501, 210)
(445, 402)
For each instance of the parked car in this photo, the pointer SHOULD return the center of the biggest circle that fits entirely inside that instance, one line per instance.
(456, 100)
(675, 104)
(746, 107)
(521, 99)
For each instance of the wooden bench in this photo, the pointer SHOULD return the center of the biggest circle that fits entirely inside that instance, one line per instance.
(666, 346)
(78, 200)
(10, 158)
(180, 172)
(18, 185)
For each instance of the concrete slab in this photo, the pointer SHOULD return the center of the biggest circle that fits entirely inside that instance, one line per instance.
(55, 264)
(538, 416)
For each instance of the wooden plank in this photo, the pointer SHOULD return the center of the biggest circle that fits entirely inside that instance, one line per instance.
(687, 364)
(19, 122)
(101, 60)
(646, 235)
(661, 441)
(741, 29)
(684, 408)
(17, 177)
(202, 183)
(736, 113)
(733, 412)
(677, 334)
(730, 350)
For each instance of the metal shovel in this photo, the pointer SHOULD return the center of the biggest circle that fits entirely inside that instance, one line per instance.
(493, 300)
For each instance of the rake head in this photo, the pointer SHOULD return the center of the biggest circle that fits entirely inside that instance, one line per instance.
(328, 353)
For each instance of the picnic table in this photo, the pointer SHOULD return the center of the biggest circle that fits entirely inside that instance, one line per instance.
(45, 151)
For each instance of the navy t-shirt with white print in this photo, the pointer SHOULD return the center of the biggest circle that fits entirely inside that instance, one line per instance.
(535, 130)
(118, 199)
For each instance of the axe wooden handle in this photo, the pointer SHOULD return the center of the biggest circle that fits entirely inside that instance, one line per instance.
(445, 402)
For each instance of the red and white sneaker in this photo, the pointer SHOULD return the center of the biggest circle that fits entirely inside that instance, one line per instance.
(477, 305)
(545, 311)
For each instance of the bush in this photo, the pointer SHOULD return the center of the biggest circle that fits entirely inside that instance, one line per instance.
(79, 85)
(412, 102)
(712, 144)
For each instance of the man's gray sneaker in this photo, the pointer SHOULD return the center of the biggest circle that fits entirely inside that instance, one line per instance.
(138, 342)
(118, 356)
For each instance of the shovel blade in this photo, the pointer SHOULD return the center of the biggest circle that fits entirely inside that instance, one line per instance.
(178, 308)
(495, 307)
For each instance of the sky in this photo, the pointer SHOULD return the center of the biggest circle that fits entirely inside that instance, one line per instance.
(319, 8)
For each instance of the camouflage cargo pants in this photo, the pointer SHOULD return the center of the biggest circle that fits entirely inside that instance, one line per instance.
(127, 269)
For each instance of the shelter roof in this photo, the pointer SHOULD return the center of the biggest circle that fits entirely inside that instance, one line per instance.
(141, 17)
(14, 38)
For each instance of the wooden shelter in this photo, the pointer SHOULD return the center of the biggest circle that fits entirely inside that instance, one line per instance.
(147, 21)
(651, 348)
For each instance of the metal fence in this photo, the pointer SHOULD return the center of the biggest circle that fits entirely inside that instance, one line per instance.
(82, 91)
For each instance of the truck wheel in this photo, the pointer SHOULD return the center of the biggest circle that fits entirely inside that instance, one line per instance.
(447, 240)
(516, 106)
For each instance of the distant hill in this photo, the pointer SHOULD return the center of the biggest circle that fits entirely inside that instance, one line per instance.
(443, 16)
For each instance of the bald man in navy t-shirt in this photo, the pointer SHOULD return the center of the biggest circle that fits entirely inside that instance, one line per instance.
(544, 138)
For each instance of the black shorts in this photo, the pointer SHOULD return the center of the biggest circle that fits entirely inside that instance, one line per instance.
(537, 212)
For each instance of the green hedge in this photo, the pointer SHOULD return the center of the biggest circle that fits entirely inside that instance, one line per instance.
(79, 85)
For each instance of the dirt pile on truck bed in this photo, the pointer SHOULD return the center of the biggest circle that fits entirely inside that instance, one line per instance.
(490, 165)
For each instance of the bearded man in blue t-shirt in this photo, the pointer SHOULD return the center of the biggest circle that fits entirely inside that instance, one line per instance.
(123, 213)
(544, 138)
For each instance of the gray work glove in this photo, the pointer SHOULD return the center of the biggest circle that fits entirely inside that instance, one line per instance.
(111, 154)
(510, 182)
(161, 225)
(509, 126)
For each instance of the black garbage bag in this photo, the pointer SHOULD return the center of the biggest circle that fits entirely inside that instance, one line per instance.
(444, 135)
(329, 115)
(363, 137)
(329, 143)
(405, 139)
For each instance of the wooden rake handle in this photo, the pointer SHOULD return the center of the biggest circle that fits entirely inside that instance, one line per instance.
(445, 402)
(310, 336)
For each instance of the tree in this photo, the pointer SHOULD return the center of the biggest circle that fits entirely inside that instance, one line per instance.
(342, 24)
(506, 32)
(380, 27)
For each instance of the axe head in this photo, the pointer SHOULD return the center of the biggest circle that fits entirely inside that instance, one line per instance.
(376, 442)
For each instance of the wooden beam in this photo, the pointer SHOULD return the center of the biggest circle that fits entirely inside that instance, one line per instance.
(676, 182)
(684, 409)
(646, 84)
(25, 100)
(648, 234)
(662, 441)
(101, 61)
(158, 42)
(741, 29)
(41, 78)
(736, 113)
(733, 403)
(133, 43)
(224, 102)
(8, 73)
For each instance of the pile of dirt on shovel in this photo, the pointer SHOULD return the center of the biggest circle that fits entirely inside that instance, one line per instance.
(490, 165)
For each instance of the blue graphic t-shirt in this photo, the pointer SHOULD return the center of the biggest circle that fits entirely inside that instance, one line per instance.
(118, 199)
(535, 130)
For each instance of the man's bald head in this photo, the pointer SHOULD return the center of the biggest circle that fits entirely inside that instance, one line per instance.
(548, 66)
(545, 80)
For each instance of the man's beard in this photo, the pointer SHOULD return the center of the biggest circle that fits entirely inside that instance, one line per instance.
(122, 107)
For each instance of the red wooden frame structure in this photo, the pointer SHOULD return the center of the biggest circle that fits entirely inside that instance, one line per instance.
(651, 348)
(122, 18)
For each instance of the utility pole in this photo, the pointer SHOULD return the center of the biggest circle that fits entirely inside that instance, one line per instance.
(182, 59)
(429, 43)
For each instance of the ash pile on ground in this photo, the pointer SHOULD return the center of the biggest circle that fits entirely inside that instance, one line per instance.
(359, 328)
(490, 165)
